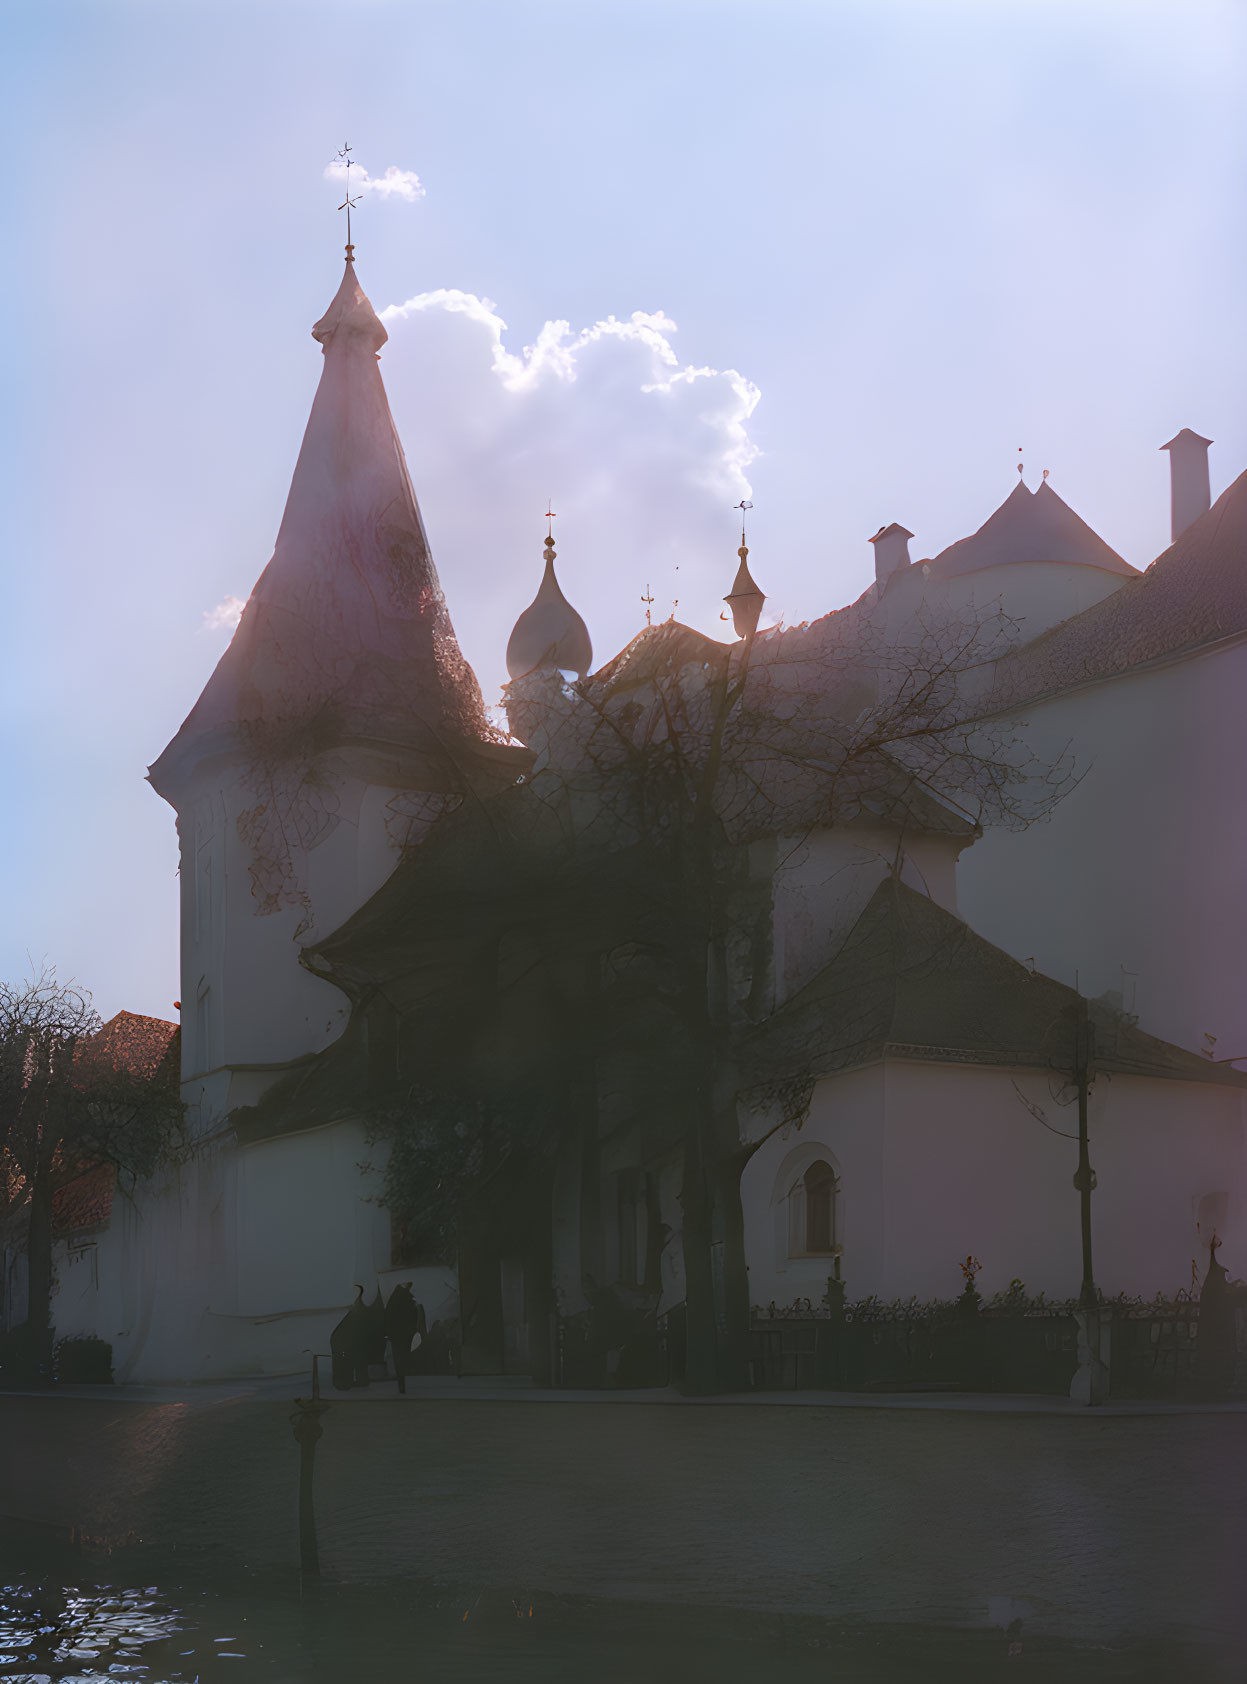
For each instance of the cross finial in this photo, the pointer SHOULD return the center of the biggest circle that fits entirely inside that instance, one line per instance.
(648, 600)
(348, 204)
(550, 519)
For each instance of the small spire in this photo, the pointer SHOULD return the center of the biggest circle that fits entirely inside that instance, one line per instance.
(744, 599)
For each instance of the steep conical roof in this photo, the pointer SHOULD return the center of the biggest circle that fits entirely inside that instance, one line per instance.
(549, 633)
(346, 633)
(1194, 594)
(1028, 526)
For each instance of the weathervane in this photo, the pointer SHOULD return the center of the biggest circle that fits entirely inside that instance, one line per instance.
(348, 204)
(551, 517)
(648, 600)
(744, 508)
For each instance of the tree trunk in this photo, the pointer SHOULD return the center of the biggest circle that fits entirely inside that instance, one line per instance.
(734, 1372)
(39, 1273)
(701, 1344)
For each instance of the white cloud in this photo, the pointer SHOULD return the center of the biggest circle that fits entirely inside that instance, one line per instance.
(225, 616)
(643, 454)
(394, 184)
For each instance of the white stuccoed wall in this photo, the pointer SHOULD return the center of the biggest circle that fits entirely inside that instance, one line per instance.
(241, 1262)
(306, 1229)
(1034, 594)
(940, 1160)
(1141, 866)
(245, 997)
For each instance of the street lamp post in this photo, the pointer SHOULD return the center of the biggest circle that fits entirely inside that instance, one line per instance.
(307, 1430)
(1090, 1383)
(1084, 1181)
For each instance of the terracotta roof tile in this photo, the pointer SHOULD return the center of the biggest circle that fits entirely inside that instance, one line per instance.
(84, 1202)
(142, 1046)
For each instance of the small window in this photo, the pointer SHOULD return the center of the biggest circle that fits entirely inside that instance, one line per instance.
(812, 1213)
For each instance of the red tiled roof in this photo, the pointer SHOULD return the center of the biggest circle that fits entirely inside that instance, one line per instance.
(142, 1046)
(1193, 595)
(84, 1202)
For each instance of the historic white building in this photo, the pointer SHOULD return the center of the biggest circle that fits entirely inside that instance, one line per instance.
(343, 721)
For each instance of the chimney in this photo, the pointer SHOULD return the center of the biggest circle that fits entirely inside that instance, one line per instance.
(1190, 496)
(891, 551)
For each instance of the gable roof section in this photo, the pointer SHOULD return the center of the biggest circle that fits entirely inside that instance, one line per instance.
(146, 1047)
(913, 981)
(1193, 595)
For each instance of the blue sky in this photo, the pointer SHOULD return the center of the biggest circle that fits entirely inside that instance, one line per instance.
(908, 237)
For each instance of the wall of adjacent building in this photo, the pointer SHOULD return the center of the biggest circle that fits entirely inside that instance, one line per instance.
(1034, 595)
(1135, 884)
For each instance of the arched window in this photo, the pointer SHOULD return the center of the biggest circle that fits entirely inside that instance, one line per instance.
(812, 1212)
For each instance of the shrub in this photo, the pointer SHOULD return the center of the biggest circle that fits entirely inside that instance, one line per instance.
(87, 1361)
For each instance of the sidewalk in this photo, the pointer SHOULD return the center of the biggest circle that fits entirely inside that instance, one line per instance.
(920, 1509)
(505, 1389)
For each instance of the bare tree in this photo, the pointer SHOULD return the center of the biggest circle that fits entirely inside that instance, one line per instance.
(67, 1104)
(609, 905)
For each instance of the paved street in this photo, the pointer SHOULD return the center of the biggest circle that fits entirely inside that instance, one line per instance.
(1097, 1528)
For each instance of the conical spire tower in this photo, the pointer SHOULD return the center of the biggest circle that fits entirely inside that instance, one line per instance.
(346, 633)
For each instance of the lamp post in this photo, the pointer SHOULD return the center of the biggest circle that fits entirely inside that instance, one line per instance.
(1084, 1181)
(307, 1430)
(1090, 1383)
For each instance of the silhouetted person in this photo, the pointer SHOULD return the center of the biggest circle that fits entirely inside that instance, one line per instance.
(374, 1334)
(348, 1346)
(403, 1320)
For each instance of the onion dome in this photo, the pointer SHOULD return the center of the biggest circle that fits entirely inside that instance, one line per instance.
(549, 633)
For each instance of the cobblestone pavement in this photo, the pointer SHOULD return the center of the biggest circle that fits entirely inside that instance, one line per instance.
(1100, 1529)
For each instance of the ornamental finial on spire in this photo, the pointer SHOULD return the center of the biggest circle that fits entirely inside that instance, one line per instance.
(348, 204)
